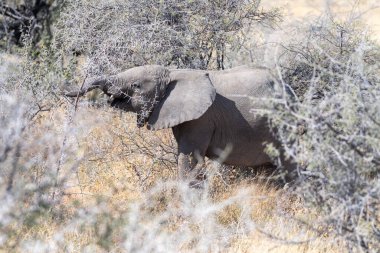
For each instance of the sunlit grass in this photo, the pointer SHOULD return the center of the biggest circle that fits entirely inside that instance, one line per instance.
(107, 180)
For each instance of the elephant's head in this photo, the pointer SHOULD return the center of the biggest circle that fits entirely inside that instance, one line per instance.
(161, 98)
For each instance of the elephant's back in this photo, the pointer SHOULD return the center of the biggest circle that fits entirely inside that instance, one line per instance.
(249, 89)
(248, 82)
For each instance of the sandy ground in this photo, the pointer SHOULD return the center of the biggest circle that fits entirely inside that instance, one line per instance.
(299, 10)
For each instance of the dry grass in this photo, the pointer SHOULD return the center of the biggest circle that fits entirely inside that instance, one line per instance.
(110, 176)
(122, 163)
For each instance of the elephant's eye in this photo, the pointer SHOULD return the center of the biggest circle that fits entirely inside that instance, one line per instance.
(136, 86)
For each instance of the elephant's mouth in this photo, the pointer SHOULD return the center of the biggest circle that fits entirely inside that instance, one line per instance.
(120, 103)
(125, 104)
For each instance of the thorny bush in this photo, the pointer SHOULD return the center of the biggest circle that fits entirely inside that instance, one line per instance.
(334, 69)
(115, 34)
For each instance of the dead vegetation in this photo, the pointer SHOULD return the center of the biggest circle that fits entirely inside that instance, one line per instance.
(77, 176)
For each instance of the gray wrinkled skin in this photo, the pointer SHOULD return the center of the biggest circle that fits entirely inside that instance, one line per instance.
(208, 111)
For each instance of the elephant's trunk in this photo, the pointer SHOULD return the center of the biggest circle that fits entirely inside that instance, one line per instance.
(96, 83)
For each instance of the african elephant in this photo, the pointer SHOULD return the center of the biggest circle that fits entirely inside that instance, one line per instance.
(207, 110)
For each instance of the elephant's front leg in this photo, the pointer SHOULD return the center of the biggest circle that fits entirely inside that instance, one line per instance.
(193, 138)
(191, 168)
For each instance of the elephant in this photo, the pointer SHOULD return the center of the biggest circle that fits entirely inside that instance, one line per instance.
(208, 111)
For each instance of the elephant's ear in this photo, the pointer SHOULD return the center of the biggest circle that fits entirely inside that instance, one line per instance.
(187, 97)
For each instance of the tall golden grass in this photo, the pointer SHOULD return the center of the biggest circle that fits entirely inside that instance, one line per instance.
(120, 165)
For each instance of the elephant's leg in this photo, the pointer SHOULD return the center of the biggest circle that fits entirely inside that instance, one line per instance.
(191, 168)
(193, 139)
(186, 165)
